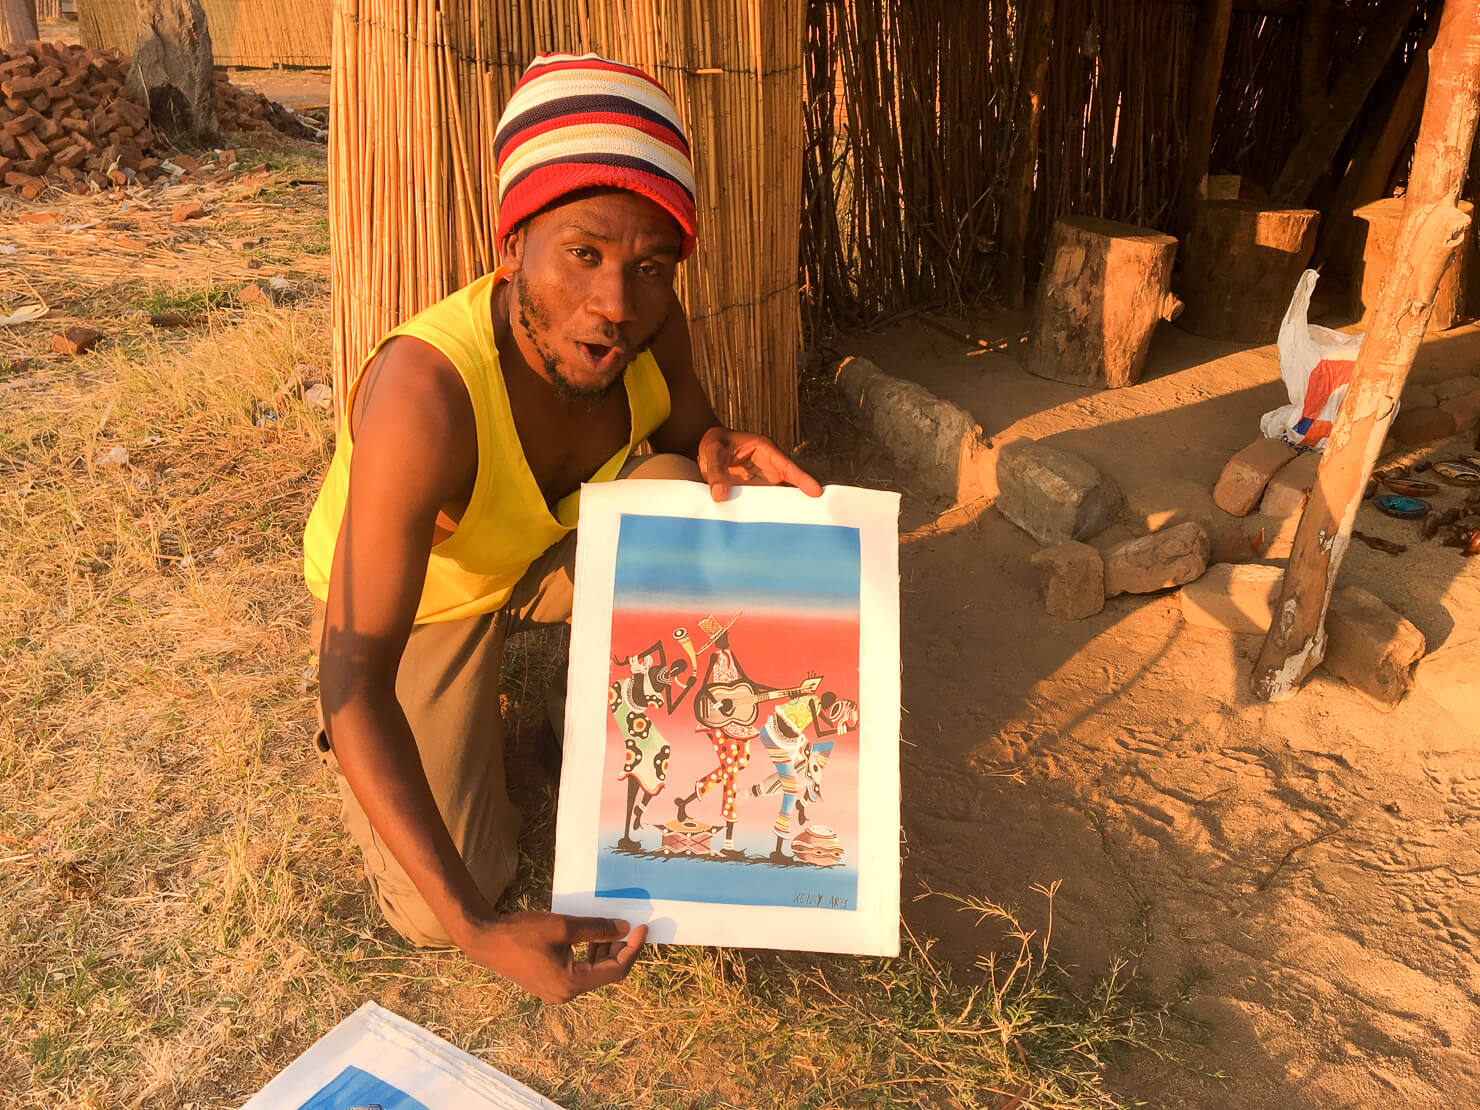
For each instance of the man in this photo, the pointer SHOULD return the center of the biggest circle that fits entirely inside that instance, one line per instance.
(446, 518)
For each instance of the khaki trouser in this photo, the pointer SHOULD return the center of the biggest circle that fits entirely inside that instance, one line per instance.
(448, 687)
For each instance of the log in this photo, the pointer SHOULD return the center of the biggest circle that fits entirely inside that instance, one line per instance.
(1319, 139)
(1375, 238)
(1210, 43)
(1240, 264)
(17, 22)
(1433, 227)
(172, 71)
(1103, 289)
(1018, 198)
(1315, 59)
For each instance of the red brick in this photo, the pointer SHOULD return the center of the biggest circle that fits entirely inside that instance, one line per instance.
(1072, 576)
(1233, 597)
(1248, 472)
(1289, 489)
(188, 210)
(1371, 646)
(1465, 408)
(74, 341)
(1422, 425)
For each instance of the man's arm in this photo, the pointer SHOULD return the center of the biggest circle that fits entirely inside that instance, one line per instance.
(416, 452)
(725, 456)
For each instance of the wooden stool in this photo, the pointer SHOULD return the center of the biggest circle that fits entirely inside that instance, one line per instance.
(1103, 289)
(1240, 264)
(1376, 234)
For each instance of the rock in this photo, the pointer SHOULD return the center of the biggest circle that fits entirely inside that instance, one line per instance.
(1171, 557)
(1233, 598)
(1248, 472)
(1230, 542)
(1288, 490)
(74, 341)
(1072, 575)
(254, 294)
(1371, 646)
(1451, 676)
(937, 440)
(1425, 425)
(1052, 495)
(320, 396)
(114, 456)
(1417, 397)
(188, 210)
(1451, 388)
(1465, 408)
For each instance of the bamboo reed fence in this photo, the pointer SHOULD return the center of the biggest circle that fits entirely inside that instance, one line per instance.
(418, 89)
(910, 124)
(48, 11)
(251, 33)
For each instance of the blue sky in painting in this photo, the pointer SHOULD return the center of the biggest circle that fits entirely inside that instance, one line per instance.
(670, 561)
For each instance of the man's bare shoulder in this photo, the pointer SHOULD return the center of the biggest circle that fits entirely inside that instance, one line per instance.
(408, 378)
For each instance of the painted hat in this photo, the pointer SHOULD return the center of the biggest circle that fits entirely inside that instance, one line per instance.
(580, 121)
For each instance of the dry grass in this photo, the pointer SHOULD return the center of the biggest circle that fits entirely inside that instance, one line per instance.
(180, 913)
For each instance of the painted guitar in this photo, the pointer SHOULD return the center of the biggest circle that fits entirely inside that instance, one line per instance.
(739, 703)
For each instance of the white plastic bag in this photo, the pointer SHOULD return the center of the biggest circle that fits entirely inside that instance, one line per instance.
(1316, 364)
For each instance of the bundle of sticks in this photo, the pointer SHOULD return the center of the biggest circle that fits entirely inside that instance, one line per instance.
(66, 118)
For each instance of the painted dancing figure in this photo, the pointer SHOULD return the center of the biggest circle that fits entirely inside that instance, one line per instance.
(653, 683)
(799, 758)
(730, 738)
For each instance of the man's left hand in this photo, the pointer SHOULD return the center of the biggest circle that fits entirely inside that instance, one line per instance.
(728, 458)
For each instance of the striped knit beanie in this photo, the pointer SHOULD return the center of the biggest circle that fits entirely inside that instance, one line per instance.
(578, 121)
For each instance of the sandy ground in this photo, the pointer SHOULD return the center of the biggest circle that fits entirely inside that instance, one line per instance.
(1309, 867)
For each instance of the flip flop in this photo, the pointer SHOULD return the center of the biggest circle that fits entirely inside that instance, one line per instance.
(1457, 473)
(1410, 487)
(1404, 508)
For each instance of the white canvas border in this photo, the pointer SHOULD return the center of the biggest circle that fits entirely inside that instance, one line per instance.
(871, 929)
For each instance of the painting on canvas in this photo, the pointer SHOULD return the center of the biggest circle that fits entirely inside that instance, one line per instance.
(734, 778)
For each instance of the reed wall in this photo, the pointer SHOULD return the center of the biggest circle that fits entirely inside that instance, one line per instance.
(418, 89)
(248, 33)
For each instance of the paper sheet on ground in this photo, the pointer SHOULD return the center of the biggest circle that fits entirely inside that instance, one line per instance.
(731, 766)
(377, 1058)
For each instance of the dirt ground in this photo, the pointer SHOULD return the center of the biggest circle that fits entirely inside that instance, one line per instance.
(1307, 869)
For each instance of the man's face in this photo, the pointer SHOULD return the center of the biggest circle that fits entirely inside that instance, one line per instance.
(593, 285)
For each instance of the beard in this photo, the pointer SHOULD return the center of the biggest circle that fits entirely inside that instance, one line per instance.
(534, 318)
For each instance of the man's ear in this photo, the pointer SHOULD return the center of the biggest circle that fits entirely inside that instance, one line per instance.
(511, 256)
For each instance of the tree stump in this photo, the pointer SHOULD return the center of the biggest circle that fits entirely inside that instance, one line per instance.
(1098, 302)
(172, 69)
(1376, 237)
(1240, 264)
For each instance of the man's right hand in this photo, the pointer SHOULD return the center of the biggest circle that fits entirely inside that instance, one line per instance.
(534, 951)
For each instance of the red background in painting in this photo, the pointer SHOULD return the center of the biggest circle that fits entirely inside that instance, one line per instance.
(774, 650)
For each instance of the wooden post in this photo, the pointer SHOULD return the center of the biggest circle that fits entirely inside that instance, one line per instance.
(1210, 42)
(1018, 201)
(1315, 59)
(1319, 139)
(17, 22)
(1103, 289)
(1397, 128)
(1433, 227)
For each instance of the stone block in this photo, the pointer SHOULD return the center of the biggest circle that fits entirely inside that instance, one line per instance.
(1371, 646)
(1288, 490)
(1246, 474)
(1073, 579)
(1465, 408)
(1451, 388)
(1053, 495)
(1233, 598)
(935, 439)
(1172, 557)
(1417, 397)
(1414, 426)
(1451, 676)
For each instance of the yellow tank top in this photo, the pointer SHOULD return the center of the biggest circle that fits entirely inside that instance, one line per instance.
(507, 523)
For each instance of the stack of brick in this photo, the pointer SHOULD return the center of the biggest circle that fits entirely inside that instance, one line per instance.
(66, 119)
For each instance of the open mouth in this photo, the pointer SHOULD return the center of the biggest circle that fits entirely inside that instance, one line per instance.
(602, 358)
